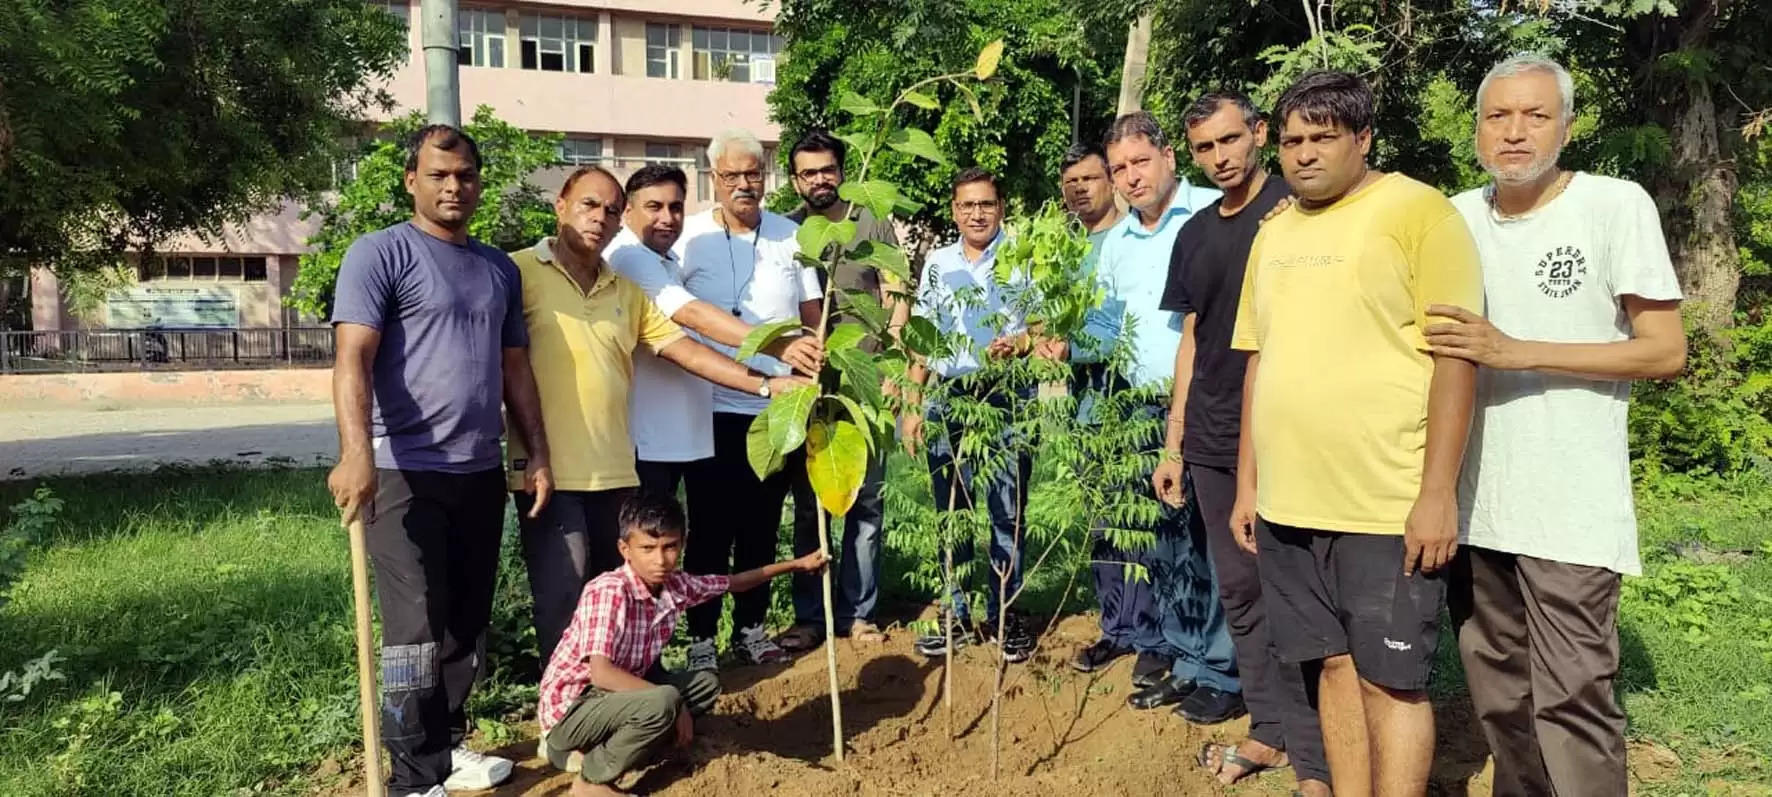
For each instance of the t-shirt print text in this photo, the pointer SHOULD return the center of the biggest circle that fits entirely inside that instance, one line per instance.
(1306, 261)
(1561, 271)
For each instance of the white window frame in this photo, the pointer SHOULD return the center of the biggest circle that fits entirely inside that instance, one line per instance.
(576, 43)
(580, 151)
(713, 48)
(480, 33)
(667, 55)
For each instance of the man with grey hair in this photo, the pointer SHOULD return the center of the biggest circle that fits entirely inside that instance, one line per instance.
(740, 257)
(1582, 299)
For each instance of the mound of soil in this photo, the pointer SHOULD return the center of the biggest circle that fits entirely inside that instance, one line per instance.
(1062, 732)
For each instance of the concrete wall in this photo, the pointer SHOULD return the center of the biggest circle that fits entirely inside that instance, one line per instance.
(166, 387)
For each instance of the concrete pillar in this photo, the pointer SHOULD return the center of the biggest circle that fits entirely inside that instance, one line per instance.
(48, 312)
(605, 49)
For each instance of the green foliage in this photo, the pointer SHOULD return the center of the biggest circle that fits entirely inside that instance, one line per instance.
(124, 121)
(513, 213)
(31, 520)
(1717, 417)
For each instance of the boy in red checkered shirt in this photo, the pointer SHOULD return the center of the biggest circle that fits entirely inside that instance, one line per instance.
(603, 693)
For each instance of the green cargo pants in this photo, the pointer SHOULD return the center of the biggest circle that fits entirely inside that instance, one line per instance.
(616, 731)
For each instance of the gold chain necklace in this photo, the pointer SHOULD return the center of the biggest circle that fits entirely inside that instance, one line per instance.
(1556, 191)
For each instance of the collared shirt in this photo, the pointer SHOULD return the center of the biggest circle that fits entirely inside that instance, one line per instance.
(1134, 268)
(670, 411)
(581, 347)
(960, 295)
(619, 619)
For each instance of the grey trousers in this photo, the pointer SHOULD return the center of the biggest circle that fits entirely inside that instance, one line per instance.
(1539, 641)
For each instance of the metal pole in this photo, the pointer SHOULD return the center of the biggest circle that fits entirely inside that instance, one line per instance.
(442, 83)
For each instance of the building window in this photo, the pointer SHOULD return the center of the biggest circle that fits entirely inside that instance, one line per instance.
(731, 54)
(481, 36)
(667, 154)
(663, 47)
(558, 44)
(399, 8)
(580, 151)
(202, 268)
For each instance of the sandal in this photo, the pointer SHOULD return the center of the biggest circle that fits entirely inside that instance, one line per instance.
(800, 638)
(1228, 756)
(864, 631)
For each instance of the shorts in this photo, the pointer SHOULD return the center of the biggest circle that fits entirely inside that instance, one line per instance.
(1330, 593)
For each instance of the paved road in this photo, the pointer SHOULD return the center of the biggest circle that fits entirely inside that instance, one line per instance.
(43, 442)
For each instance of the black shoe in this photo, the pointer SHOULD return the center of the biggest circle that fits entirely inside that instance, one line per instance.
(935, 646)
(1098, 655)
(1209, 706)
(1166, 692)
(1148, 670)
(1017, 643)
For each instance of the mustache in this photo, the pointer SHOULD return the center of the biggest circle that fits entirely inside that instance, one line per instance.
(745, 193)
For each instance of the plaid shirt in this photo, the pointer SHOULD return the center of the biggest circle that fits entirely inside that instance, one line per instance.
(619, 619)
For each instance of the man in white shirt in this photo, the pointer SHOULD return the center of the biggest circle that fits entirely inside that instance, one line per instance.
(739, 258)
(1582, 299)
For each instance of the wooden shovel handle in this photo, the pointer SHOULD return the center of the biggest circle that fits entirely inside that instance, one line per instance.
(371, 707)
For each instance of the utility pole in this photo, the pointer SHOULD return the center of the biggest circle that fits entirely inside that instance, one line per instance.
(442, 82)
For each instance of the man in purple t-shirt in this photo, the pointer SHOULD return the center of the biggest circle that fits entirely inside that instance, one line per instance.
(429, 334)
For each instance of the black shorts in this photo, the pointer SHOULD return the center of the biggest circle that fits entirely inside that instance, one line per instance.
(1330, 593)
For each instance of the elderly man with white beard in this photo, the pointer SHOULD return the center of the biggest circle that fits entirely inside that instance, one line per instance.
(1582, 300)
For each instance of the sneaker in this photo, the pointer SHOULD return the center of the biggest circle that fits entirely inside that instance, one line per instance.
(1017, 643)
(703, 656)
(757, 648)
(471, 771)
(434, 791)
(935, 646)
(1098, 655)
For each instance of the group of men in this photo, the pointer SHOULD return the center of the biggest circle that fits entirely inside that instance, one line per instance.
(1336, 331)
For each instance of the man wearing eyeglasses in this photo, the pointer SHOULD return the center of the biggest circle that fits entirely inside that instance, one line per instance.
(817, 163)
(739, 257)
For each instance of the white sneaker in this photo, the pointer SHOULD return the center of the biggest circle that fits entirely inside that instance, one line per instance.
(703, 656)
(474, 771)
(758, 648)
(435, 791)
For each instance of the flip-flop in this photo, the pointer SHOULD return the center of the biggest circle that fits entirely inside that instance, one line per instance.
(800, 638)
(864, 631)
(1227, 756)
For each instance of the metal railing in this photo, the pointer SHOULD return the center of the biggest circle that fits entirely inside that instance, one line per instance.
(163, 349)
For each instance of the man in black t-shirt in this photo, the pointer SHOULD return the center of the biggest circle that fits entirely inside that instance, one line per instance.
(1225, 134)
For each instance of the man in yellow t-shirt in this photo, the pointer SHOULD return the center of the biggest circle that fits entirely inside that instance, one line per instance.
(584, 323)
(1353, 432)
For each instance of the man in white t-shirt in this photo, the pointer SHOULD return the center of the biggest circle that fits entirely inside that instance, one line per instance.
(739, 258)
(1582, 299)
(671, 412)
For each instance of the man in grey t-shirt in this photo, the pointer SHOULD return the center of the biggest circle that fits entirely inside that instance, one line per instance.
(429, 334)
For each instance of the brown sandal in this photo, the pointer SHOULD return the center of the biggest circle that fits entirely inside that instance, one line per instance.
(800, 638)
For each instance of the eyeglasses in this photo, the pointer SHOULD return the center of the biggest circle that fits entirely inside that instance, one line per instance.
(980, 206)
(831, 171)
(736, 178)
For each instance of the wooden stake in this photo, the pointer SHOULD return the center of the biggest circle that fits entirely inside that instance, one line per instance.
(830, 636)
(371, 707)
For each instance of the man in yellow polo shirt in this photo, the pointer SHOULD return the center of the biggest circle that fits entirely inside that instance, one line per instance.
(1353, 431)
(584, 323)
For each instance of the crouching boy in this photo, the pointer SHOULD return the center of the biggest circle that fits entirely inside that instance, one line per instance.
(604, 694)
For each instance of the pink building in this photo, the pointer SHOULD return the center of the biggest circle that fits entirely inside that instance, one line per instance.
(627, 82)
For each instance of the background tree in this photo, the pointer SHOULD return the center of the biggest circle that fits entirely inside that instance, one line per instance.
(124, 121)
(514, 212)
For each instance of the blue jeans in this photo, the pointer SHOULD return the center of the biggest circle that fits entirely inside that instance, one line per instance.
(1005, 494)
(858, 568)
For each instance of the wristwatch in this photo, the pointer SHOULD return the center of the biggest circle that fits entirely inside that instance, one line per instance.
(763, 387)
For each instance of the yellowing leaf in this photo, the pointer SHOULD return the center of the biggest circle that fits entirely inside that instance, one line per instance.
(836, 462)
(987, 60)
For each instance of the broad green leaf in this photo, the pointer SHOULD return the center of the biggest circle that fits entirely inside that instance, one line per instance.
(787, 417)
(764, 458)
(858, 141)
(906, 206)
(843, 232)
(988, 59)
(912, 141)
(836, 462)
(921, 100)
(856, 413)
(972, 100)
(885, 257)
(857, 105)
(818, 233)
(863, 306)
(844, 337)
(860, 375)
(920, 336)
(878, 196)
(763, 336)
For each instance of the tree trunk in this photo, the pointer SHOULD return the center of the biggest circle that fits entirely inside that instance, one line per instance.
(1132, 70)
(1697, 201)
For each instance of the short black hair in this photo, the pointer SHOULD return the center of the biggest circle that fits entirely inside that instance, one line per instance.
(974, 174)
(1137, 123)
(1079, 152)
(655, 174)
(1327, 98)
(818, 140)
(442, 137)
(582, 171)
(654, 514)
(1209, 103)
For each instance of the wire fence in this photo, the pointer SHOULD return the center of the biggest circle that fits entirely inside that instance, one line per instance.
(163, 349)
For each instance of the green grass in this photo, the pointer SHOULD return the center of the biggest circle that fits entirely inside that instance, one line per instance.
(204, 618)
